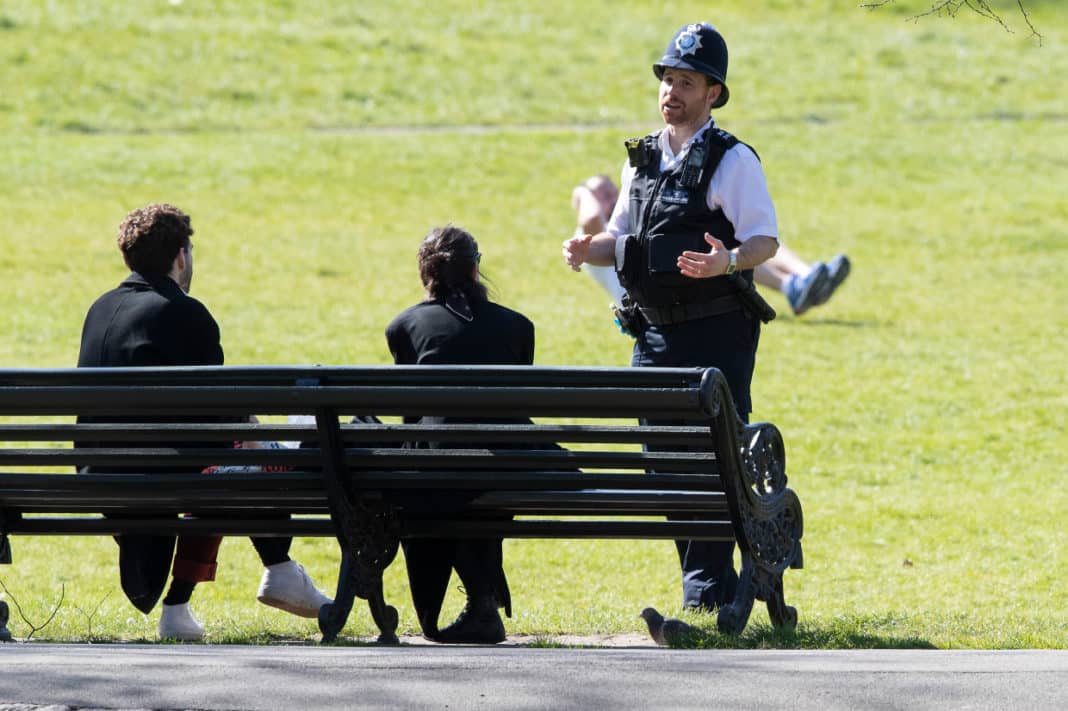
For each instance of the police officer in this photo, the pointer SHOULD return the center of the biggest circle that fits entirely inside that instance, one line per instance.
(694, 209)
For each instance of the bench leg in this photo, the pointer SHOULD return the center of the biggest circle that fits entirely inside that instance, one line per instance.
(756, 583)
(782, 616)
(332, 617)
(5, 633)
(355, 581)
(384, 615)
(733, 617)
(767, 520)
(364, 531)
(5, 614)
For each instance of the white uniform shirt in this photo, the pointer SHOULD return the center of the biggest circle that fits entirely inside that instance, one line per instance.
(737, 187)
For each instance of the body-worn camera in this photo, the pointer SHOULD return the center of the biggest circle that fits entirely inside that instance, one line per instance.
(642, 151)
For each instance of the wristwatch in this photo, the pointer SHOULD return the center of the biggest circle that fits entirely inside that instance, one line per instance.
(732, 265)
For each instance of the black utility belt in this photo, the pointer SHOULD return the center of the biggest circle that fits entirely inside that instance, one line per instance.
(678, 313)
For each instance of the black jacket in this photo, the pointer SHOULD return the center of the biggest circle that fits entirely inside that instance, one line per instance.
(430, 333)
(146, 321)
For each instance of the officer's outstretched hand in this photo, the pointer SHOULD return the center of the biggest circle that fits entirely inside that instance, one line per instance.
(576, 251)
(702, 265)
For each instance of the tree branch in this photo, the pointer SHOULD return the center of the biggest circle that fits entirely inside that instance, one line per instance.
(34, 628)
(1027, 18)
(90, 615)
(950, 8)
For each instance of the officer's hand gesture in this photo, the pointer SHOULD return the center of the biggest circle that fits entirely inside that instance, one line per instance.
(576, 251)
(702, 265)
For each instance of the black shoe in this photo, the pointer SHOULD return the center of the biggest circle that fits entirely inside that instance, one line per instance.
(720, 593)
(478, 623)
(5, 633)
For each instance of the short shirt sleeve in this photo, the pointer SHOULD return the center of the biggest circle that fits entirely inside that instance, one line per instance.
(619, 222)
(739, 188)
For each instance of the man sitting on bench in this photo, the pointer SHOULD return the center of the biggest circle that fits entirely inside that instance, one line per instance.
(150, 320)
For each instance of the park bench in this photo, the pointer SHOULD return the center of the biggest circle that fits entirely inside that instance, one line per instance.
(351, 476)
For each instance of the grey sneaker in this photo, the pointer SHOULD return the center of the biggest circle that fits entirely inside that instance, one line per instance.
(802, 291)
(287, 587)
(837, 271)
(177, 622)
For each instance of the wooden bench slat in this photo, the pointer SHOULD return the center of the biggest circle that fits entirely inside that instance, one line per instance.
(469, 402)
(650, 530)
(424, 459)
(577, 378)
(540, 433)
(601, 529)
(219, 484)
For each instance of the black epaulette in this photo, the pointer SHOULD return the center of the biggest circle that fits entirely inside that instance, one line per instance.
(729, 141)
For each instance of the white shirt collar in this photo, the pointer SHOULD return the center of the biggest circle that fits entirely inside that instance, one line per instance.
(668, 160)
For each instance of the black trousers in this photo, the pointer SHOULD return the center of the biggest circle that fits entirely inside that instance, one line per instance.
(478, 563)
(727, 342)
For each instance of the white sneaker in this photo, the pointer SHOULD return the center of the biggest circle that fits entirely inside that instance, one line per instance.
(287, 587)
(177, 622)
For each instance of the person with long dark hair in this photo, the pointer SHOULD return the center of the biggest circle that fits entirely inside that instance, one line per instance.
(458, 324)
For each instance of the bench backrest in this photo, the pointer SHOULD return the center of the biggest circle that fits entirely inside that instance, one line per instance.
(545, 441)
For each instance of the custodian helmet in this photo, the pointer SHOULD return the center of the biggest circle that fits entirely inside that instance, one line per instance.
(699, 48)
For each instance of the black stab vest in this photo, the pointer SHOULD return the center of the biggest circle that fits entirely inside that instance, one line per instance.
(670, 215)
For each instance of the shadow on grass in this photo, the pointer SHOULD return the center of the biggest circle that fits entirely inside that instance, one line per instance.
(806, 638)
(840, 323)
(839, 633)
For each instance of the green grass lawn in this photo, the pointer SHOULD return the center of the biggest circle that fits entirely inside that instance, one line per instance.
(924, 408)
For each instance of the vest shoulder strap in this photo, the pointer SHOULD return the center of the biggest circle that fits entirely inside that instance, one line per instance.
(718, 143)
(730, 141)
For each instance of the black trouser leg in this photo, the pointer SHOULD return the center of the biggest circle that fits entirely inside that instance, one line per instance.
(476, 563)
(728, 342)
(144, 564)
(272, 549)
(429, 565)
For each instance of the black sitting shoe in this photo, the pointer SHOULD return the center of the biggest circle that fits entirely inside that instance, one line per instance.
(478, 623)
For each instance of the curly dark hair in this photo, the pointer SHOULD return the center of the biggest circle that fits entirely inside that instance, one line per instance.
(151, 237)
(447, 258)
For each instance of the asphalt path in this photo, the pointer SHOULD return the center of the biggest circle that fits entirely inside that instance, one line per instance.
(59, 677)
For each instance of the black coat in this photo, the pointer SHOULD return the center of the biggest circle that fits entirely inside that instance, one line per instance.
(430, 333)
(146, 321)
(149, 321)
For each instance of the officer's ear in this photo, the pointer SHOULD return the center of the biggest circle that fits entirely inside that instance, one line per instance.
(714, 90)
